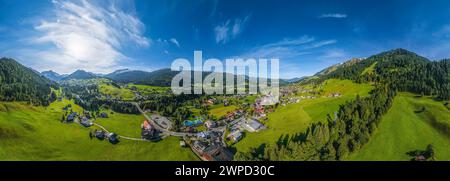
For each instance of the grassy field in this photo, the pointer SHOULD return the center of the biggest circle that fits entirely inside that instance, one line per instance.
(122, 124)
(369, 70)
(221, 110)
(404, 129)
(148, 89)
(121, 93)
(295, 118)
(36, 133)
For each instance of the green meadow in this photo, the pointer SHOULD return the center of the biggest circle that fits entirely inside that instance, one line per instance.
(296, 118)
(123, 124)
(149, 89)
(36, 133)
(221, 110)
(406, 127)
(116, 92)
(370, 69)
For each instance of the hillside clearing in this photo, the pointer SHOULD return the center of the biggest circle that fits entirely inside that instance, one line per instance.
(405, 128)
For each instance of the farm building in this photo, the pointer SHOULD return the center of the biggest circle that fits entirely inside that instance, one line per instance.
(100, 134)
(113, 138)
(85, 122)
(103, 115)
(252, 125)
(71, 117)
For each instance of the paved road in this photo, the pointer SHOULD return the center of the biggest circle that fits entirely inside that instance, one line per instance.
(159, 128)
(120, 136)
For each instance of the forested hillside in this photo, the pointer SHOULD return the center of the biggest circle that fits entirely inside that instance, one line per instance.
(402, 71)
(19, 83)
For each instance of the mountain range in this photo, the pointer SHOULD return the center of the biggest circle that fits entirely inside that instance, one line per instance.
(12, 72)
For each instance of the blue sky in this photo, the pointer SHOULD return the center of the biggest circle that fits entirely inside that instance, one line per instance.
(307, 36)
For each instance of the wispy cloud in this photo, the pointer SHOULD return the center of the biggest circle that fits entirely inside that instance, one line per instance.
(333, 54)
(230, 29)
(175, 41)
(287, 48)
(215, 3)
(443, 32)
(333, 15)
(88, 36)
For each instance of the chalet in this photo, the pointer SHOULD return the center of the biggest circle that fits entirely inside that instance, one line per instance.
(87, 114)
(85, 122)
(146, 125)
(230, 115)
(213, 134)
(149, 132)
(209, 102)
(103, 115)
(210, 124)
(113, 138)
(217, 153)
(100, 134)
(71, 117)
(202, 135)
(199, 147)
(259, 110)
(187, 129)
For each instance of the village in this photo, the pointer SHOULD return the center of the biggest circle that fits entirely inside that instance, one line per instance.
(209, 138)
(210, 144)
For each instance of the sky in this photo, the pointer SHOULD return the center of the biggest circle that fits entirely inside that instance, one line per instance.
(306, 36)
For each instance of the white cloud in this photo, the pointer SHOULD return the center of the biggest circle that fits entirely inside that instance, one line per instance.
(323, 43)
(228, 30)
(175, 41)
(88, 36)
(287, 48)
(333, 15)
(334, 53)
